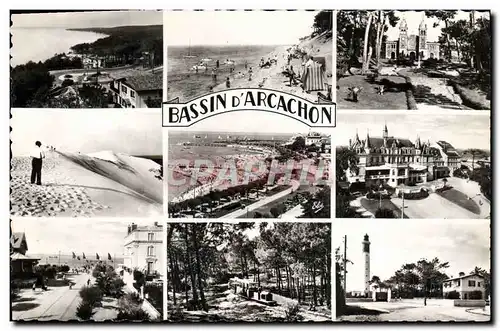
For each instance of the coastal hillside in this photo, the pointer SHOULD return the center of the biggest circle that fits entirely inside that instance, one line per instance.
(152, 30)
(320, 45)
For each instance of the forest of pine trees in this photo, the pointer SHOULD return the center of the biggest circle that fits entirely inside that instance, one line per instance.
(292, 260)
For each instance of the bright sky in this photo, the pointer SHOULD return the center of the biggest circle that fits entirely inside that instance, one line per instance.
(237, 27)
(253, 121)
(87, 130)
(413, 19)
(464, 244)
(462, 131)
(51, 235)
(87, 19)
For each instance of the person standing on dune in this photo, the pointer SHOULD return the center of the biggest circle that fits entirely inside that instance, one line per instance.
(37, 155)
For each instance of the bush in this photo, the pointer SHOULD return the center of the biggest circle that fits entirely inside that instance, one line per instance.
(63, 268)
(137, 314)
(91, 294)
(84, 310)
(422, 194)
(452, 295)
(110, 284)
(377, 195)
(460, 173)
(475, 295)
(292, 312)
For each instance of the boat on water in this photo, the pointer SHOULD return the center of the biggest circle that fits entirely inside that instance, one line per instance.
(199, 67)
(189, 56)
(219, 137)
(196, 136)
(206, 59)
(206, 136)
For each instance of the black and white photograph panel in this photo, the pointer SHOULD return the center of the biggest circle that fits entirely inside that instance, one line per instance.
(86, 163)
(249, 272)
(73, 270)
(250, 169)
(423, 60)
(413, 166)
(211, 51)
(425, 270)
(87, 59)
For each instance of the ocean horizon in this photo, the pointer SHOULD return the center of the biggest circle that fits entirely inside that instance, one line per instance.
(40, 44)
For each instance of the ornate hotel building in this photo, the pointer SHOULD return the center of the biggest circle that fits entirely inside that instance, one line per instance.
(143, 248)
(397, 161)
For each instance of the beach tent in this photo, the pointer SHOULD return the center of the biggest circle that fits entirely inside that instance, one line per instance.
(321, 60)
(313, 78)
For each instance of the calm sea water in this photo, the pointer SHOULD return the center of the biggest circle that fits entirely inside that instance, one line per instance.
(187, 84)
(40, 44)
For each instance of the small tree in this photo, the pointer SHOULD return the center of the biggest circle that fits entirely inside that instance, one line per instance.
(84, 311)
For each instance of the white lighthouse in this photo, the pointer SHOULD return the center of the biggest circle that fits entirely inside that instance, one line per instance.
(366, 255)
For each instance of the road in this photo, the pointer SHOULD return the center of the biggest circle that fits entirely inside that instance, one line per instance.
(58, 303)
(434, 206)
(413, 310)
(263, 202)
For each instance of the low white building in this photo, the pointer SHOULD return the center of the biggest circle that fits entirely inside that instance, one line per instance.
(464, 285)
(139, 91)
(143, 248)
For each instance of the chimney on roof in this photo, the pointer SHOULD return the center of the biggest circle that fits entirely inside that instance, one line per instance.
(156, 224)
(461, 274)
(133, 227)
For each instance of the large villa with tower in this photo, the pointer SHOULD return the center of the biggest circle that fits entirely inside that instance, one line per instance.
(415, 46)
(395, 161)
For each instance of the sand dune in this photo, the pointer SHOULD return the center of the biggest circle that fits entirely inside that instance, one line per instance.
(78, 185)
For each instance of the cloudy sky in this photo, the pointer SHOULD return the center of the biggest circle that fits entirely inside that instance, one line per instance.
(413, 19)
(464, 244)
(87, 19)
(237, 27)
(462, 131)
(87, 131)
(51, 235)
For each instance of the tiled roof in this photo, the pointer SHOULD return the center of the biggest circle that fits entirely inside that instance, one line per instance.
(379, 142)
(146, 82)
(465, 276)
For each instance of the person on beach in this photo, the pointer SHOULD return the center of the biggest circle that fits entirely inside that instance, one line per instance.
(217, 63)
(37, 155)
(250, 72)
(246, 64)
(228, 83)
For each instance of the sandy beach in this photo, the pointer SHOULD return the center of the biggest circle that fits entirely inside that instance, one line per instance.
(272, 77)
(77, 185)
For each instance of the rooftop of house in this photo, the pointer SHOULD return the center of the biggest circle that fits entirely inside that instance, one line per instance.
(464, 276)
(448, 149)
(144, 82)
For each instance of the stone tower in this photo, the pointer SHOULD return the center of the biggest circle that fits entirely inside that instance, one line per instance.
(422, 35)
(403, 37)
(366, 255)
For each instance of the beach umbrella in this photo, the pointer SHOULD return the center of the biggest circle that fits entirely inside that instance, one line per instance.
(78, 258)
(97, 256)
(74, 255)
(83, 256)
(109, 257)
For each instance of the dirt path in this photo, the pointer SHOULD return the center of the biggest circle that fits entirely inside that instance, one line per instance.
(430, 92)
(58, 303)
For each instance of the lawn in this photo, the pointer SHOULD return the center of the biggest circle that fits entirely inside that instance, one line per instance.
(460, 199)
(373, 205)
(393, 98)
